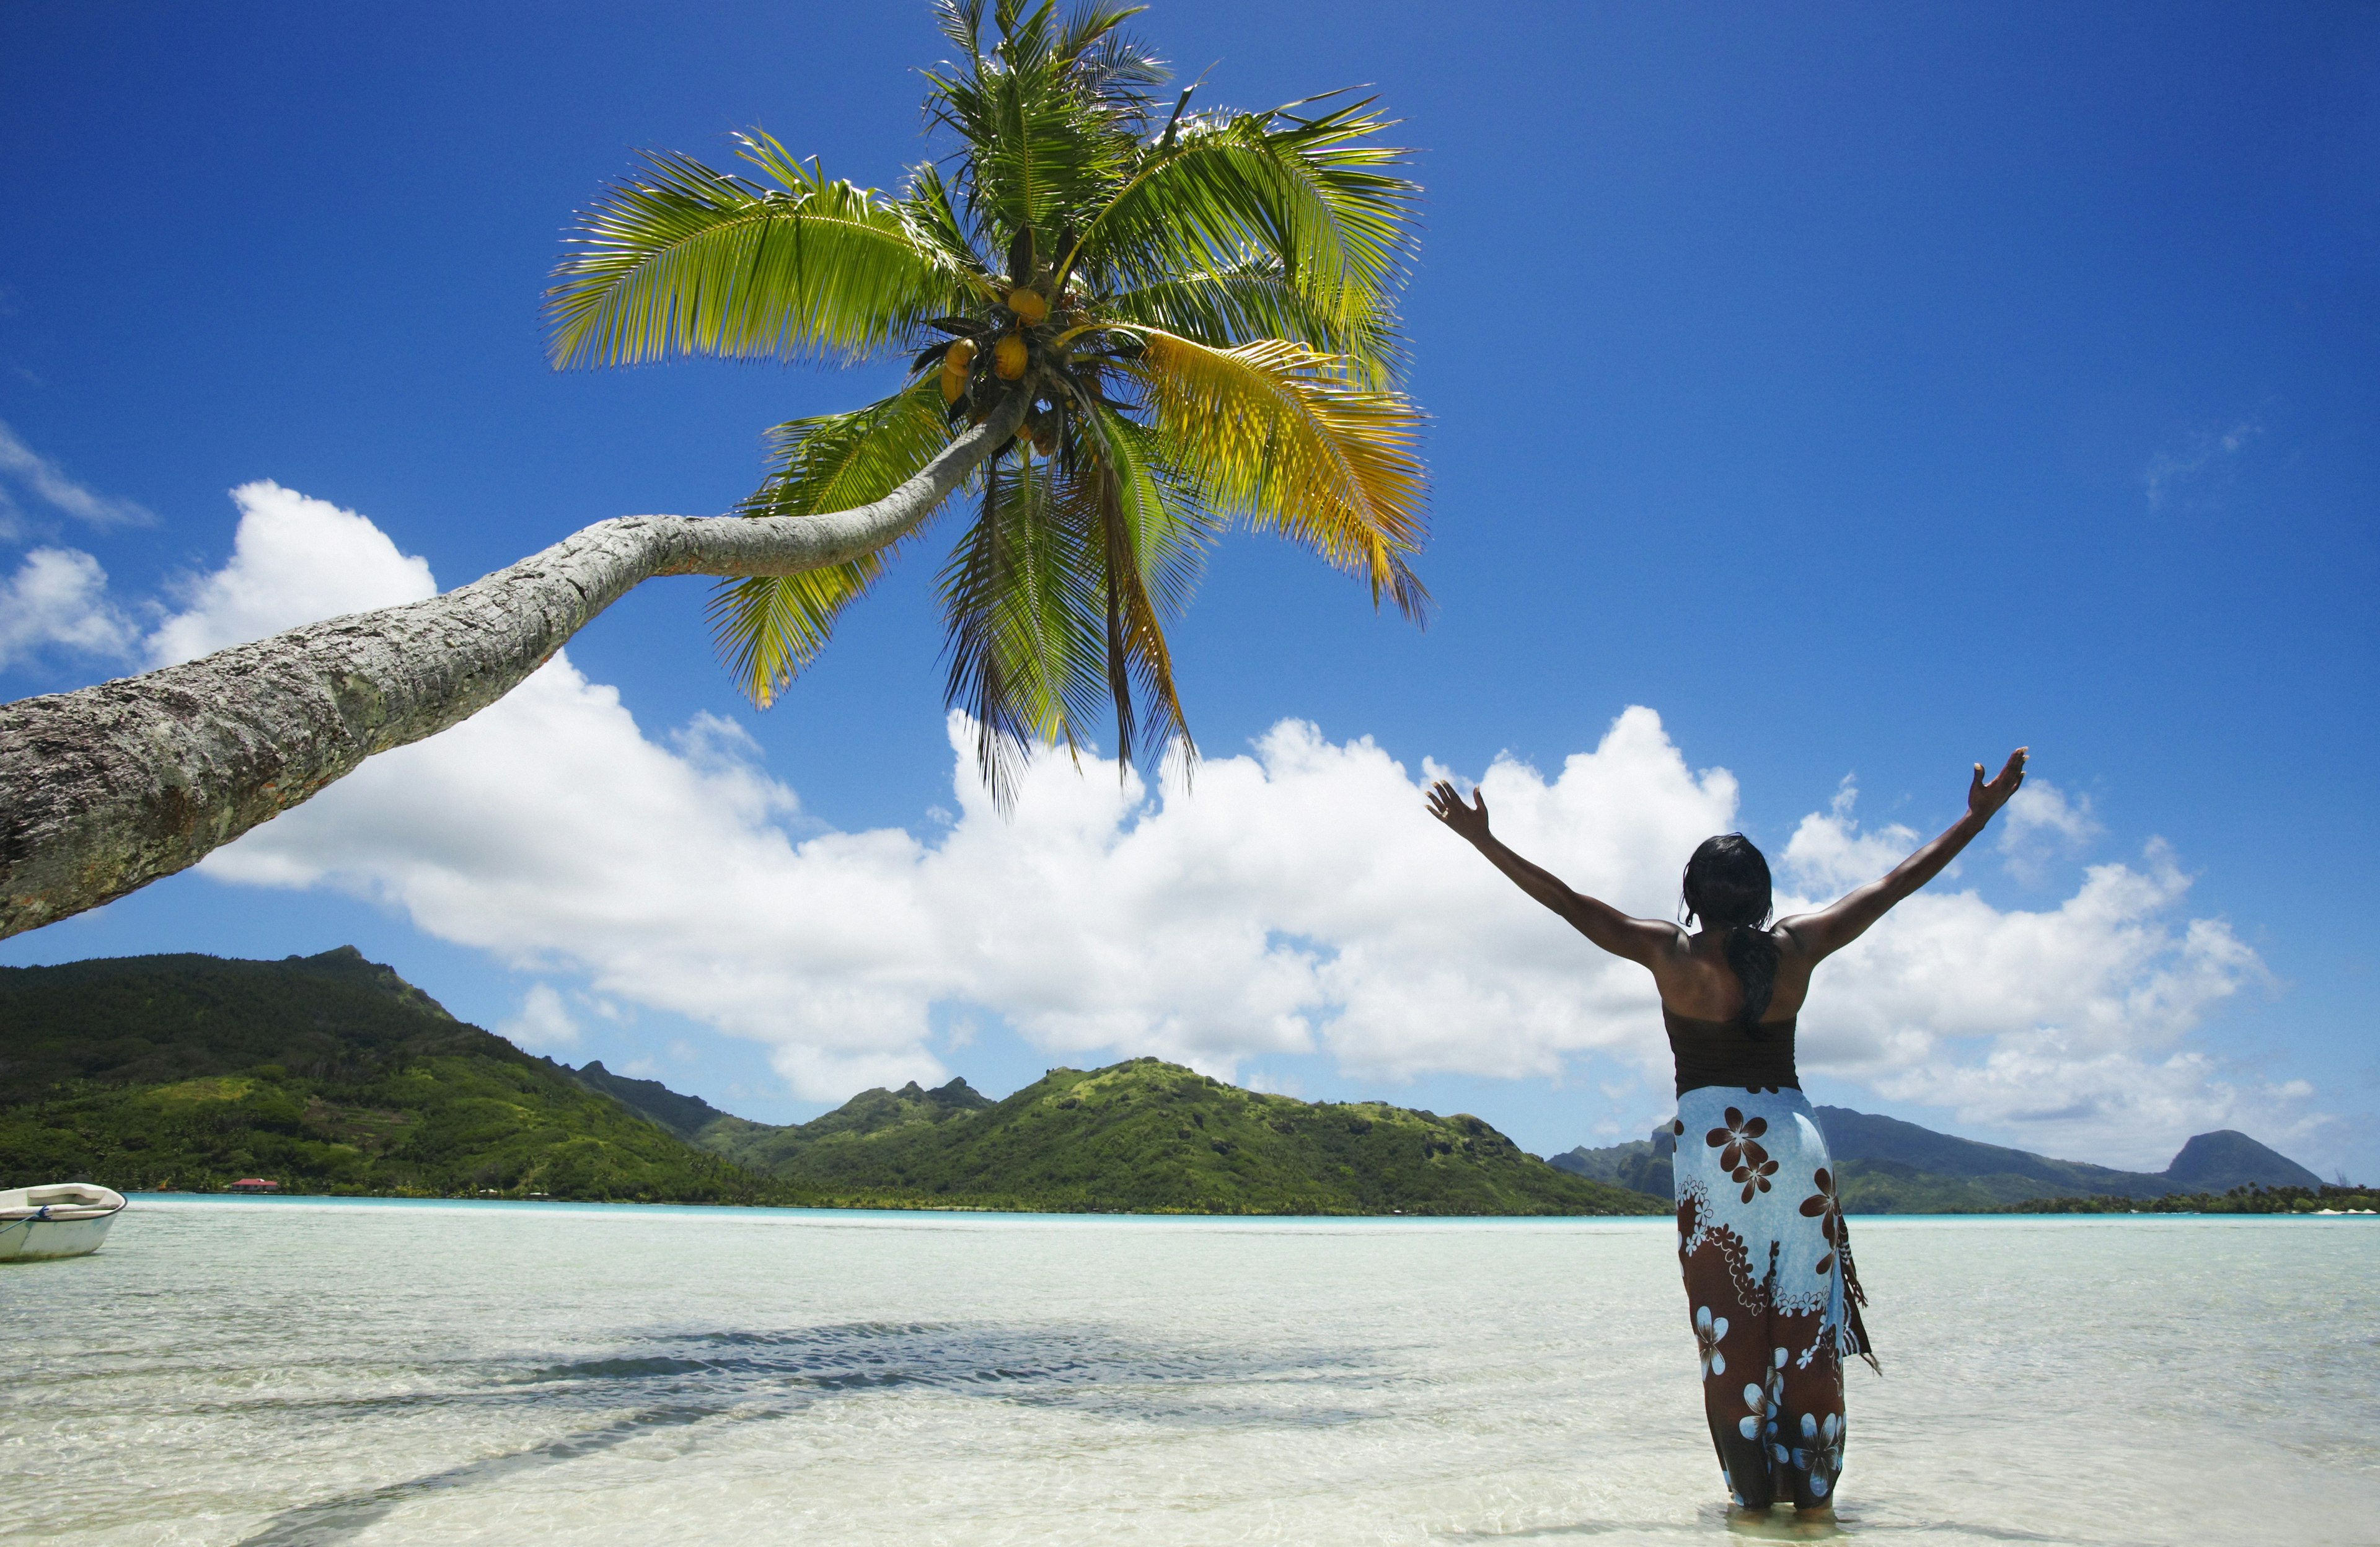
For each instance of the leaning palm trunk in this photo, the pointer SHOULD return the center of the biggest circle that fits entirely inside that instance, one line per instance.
(105, 790)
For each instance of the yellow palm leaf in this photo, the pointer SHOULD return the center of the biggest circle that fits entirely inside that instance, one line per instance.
(1285, 436)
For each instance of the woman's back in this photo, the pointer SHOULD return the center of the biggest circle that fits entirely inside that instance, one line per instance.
(1725, 1053)
(1697, 980)
(1703, 999)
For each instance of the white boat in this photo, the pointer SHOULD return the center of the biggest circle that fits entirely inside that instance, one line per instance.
(65, 1219)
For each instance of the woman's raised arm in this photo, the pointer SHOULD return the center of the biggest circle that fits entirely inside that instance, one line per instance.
(1832, 928)
(1639, 940)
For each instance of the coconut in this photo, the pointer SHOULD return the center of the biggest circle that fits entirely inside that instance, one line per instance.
(1028, 306)
(955, 361)
(1008, 358)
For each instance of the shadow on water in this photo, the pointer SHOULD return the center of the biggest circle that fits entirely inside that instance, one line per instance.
(1075, 1367)
(672, 1381)
(334, 1519)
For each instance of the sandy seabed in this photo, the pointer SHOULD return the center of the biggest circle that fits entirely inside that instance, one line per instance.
(297, 1373)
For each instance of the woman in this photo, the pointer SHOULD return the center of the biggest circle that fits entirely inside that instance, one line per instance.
(1767, 1263)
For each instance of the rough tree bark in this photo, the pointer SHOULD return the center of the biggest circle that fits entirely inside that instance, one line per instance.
(105, 789)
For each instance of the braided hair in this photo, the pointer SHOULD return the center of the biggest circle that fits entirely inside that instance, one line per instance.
(1727, 886)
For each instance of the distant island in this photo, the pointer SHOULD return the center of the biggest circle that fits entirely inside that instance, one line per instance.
(331, 1074)
(1887, 1166)
(328, 1074)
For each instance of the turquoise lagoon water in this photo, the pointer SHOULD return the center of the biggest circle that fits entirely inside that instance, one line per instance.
(295, 1371)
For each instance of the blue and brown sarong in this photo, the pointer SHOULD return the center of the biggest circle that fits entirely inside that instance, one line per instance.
(1770, 1288)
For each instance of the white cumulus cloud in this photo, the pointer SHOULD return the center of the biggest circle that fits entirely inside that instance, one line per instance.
(2062, 1024)
(59, 597)
(2042, 823)
(294, 560)
(544, 1023)
(1296, 900)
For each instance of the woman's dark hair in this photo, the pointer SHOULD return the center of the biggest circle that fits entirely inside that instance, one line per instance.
(1726, 887)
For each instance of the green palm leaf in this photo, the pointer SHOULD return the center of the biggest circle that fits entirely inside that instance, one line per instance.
(1242, 302)
(685, 260)
(1022, 603)
(768, 627)
(1040, 131)
(1312, 194)
(1154, 536)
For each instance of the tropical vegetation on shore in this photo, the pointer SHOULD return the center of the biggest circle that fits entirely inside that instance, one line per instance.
(2326, 1198)
(327, 1074)
(1148, 1137)
(331, 1074)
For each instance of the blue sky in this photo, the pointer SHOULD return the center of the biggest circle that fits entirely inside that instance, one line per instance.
(1864, 390)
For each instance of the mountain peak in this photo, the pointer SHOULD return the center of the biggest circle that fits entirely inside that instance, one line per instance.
(1886, 1165)
(2226, 1158)
(1146, 1135)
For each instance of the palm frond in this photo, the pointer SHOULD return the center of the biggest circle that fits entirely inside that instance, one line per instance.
(962, 22)
(1314, 193)
(768, 627)
(686, 260)
(1021, 606)
(1111, 65)
(934, 221)
(1046, 118)
(1153, 538)
(1241, 302)
(1277, 433)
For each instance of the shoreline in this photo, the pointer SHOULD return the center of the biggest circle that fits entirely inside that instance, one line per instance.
(177, 1200)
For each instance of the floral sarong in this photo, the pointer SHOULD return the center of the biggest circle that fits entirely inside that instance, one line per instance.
(1770, 1288)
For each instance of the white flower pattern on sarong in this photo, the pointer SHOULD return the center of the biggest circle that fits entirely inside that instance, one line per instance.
(1707, 1332)
(1757, 1422)
(1820, 1454)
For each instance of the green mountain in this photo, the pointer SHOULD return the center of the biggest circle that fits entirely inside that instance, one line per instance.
(331, 1074)
(2226, 1158)
(1887, 1166)
(1640, 1165)
(1142, 1136)
(327, 1074)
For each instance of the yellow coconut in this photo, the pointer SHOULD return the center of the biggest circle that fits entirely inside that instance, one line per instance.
(1008, 358)
(1028, 306)
(956, 360)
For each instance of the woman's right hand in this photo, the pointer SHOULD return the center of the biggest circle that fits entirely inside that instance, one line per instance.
(1469, 822)
(1985, 798)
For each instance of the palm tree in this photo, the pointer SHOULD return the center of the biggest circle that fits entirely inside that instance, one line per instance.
(1195, 313)
(1121, 332)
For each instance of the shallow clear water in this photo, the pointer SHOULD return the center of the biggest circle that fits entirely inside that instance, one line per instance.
(296, 1372)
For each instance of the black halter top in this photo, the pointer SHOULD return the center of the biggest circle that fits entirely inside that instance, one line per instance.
(1720, 1052)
